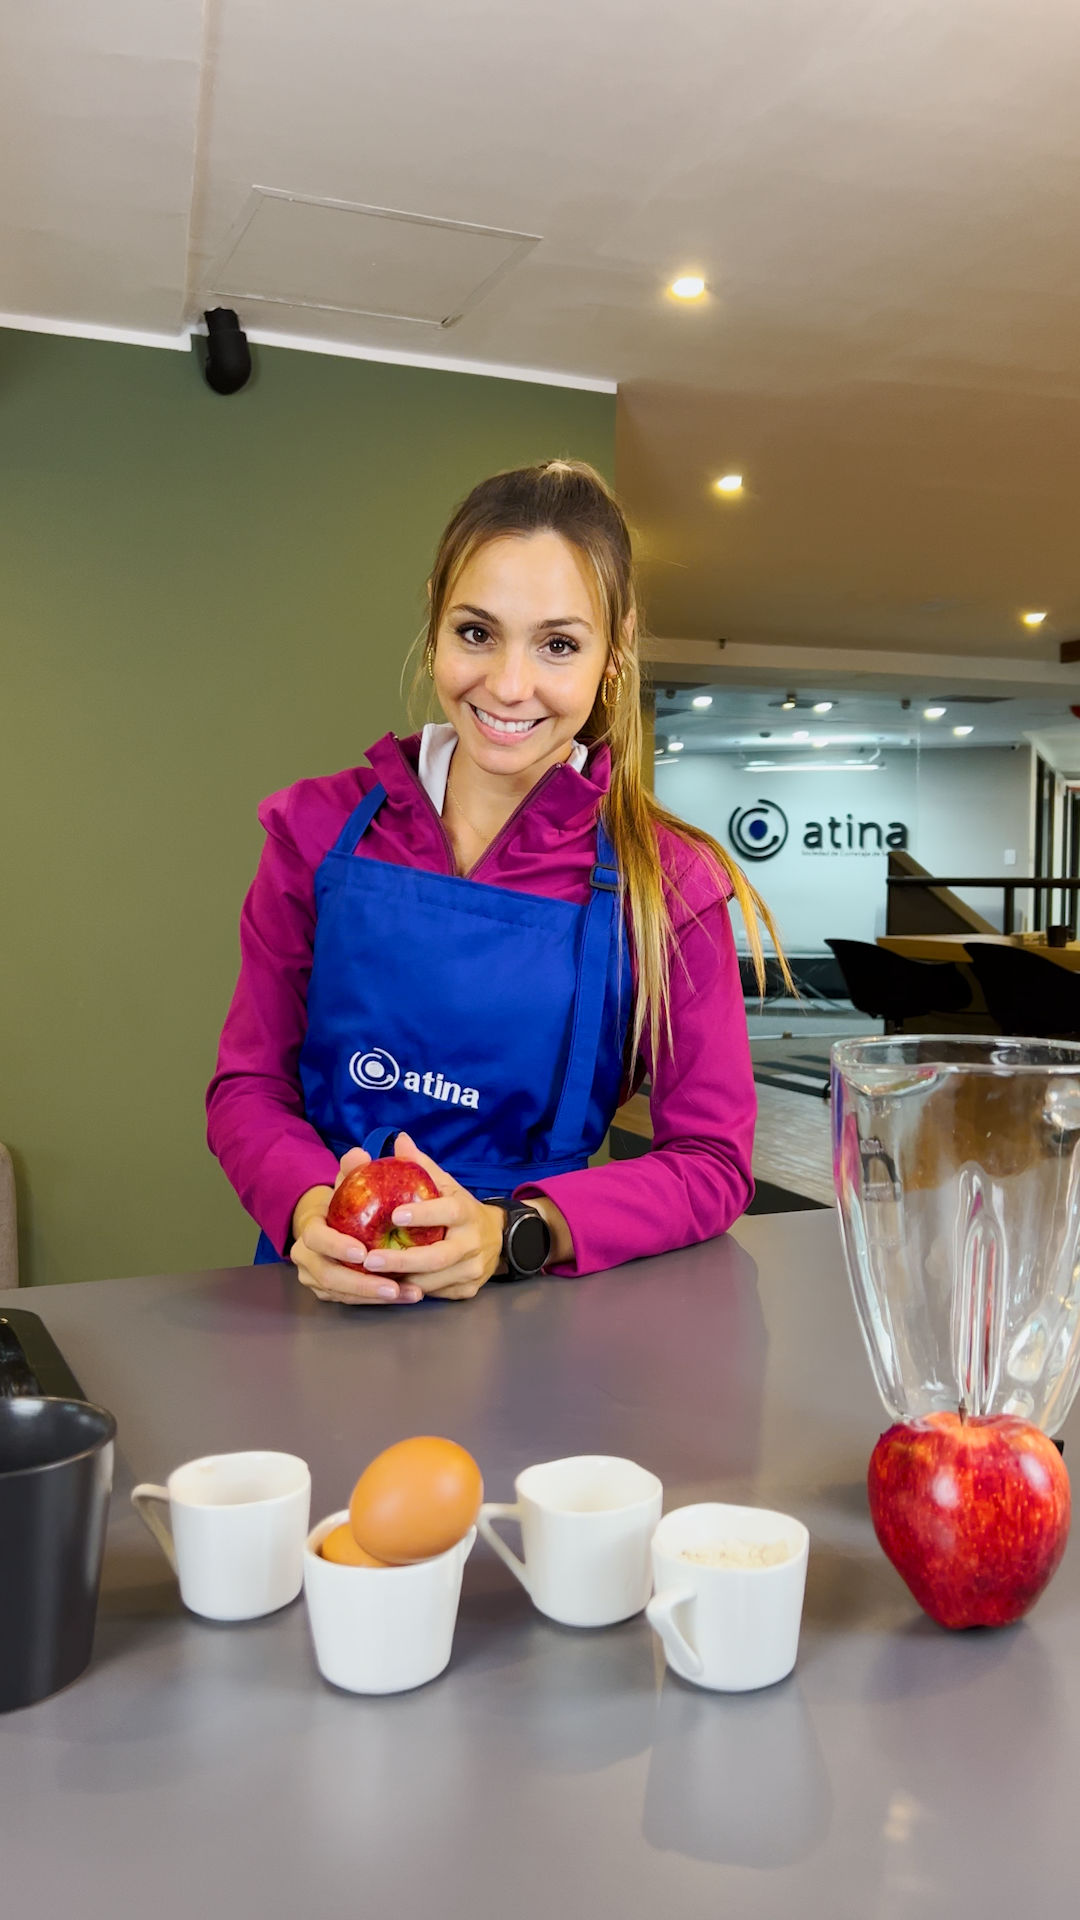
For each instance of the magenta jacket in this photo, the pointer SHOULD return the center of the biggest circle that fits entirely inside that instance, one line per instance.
(694, 1182)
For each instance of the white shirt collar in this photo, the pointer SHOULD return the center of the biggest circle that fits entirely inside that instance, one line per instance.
(437, 743)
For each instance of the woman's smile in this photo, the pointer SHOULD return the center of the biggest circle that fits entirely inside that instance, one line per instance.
(494, 723)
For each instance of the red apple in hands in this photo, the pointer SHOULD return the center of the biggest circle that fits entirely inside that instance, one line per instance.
(973, 1512)
(363, 1205)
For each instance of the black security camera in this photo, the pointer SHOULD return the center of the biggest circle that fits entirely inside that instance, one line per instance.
(228, 356)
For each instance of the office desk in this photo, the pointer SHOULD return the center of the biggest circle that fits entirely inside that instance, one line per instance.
(957, 946)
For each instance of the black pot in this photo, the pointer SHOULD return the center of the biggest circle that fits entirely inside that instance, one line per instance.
(56, 1465)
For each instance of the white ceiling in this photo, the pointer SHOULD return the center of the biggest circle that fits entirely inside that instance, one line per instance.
(881, 195)
(99, 110)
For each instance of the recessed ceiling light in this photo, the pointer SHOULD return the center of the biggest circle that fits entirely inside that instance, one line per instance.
(961, 731)
(701, 701)
(674, 746)
(823, 706)
(801, 735)
(688, 286)
(729, 483)
(1033, 619)
(932, 713)
(820, 743)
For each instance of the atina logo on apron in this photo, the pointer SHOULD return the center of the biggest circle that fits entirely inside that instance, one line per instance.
(377, 1071)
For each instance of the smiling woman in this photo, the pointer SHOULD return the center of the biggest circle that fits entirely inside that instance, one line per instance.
(499, 917)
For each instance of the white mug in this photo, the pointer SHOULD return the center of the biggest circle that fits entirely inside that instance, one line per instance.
(235, 1537)
(382, 1629)
(728, 1627)
(586, 1524)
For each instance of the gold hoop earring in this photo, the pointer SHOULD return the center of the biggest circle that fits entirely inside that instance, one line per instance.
(429, 662)
(610, 689)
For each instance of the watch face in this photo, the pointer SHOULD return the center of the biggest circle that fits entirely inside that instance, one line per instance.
(529, 1242)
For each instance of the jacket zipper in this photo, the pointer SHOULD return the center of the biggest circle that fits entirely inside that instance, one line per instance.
(427, 800)
(507, 824)
(503, 830)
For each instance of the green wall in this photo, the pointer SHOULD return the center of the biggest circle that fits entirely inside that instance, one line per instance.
(201, 599)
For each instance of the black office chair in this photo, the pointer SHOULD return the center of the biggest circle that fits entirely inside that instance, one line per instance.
(1027, 993)
(891, 988)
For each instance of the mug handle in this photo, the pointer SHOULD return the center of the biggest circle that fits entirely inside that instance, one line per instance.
(493, 1510)
(660, 1613)
(142, 1498)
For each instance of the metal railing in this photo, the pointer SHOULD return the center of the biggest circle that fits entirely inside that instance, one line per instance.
(1052, 883)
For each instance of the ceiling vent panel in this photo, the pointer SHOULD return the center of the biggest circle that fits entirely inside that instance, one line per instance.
(290, 250)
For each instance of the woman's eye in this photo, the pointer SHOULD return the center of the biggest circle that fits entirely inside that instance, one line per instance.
(561, 647)
(474, 634)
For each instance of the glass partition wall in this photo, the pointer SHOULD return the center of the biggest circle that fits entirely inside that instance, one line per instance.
(819, 791)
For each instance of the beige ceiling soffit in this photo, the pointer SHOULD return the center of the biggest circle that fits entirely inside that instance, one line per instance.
(418, 269)
(88, 330)
(1059, 747)
(440, 362)
(724, 661)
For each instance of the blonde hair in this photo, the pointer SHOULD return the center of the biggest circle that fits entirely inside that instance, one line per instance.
(570, 498)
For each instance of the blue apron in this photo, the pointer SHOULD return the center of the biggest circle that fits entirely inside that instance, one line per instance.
(489, 1025)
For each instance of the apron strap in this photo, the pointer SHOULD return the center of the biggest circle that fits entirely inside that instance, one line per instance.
(601, 919)
(605, 874)
(359, 821)
(380, 1142)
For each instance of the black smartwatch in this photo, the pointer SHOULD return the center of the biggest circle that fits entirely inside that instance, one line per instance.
(526, 1237)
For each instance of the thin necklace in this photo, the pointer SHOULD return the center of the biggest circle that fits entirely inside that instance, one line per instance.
(485, 837)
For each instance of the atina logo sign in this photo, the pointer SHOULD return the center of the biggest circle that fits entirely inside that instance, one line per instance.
(377, 1072)
(759, 831)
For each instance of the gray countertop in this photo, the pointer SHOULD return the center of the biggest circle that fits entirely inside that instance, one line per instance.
(207, 1771)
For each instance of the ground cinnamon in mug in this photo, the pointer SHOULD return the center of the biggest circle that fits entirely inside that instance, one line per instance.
(738, 1553)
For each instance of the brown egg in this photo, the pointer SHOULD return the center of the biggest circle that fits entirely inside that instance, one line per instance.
(340, 1547)
(415, 1500)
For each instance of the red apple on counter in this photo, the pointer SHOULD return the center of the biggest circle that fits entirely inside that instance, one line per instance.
(973, 1512)
(363, 1205)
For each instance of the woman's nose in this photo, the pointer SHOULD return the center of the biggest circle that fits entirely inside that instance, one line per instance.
(509, 678)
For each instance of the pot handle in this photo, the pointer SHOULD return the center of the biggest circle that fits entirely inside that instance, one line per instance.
(495, 1510)
(660, 1614)
(142, 1499)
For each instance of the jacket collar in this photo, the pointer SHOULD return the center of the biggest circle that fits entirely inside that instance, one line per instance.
(568, 804)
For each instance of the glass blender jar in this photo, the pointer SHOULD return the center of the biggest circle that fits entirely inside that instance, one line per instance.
(957, 1167)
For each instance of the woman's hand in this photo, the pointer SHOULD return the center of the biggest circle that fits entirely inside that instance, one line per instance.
(332, 1264)
(454, 1268)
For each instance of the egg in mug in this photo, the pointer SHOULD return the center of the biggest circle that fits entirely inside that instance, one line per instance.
(340, 1547)
(416, 1500)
